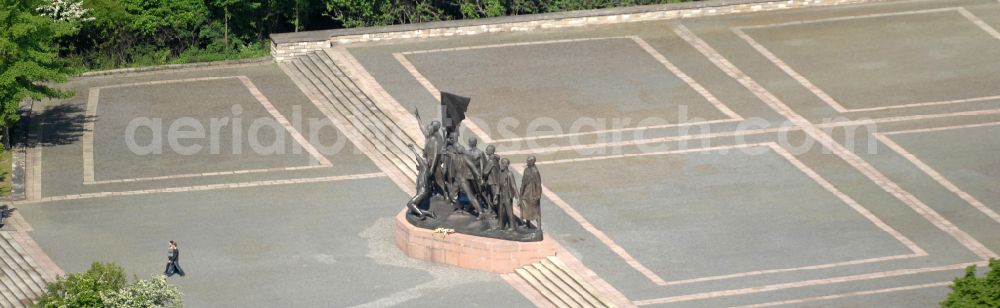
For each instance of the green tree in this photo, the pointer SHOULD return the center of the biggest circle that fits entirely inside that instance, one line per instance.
(243, 9)
(29, 58)
(970, 291)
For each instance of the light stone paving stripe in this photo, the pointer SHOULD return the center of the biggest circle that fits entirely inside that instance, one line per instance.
(512, 44)
(94, 99)
(191, 175)
(284, 122)
(697, 87)
(88, 135)
(907, 118)
(472, 126)
(212, 187)
(828, 142)
(825, 97)
(35, 180)
(791, 72)
(600, 145)
(807, 283)
(618, 130)
(884, 138)
(851, 294)
(979, 22)
(913, 247)
(747, 132)
(687, 79)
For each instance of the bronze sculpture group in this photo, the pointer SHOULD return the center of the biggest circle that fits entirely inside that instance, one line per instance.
(473, 183)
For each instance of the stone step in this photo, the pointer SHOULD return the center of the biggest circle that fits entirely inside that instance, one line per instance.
(375, 117)
(7, 297)
(14, 287)
(578, 288)
(352, 84)
(305, 79)
(561, 286)
(590, 290)
(335, 98)
(36, 281)
(15, 268)
(553, 287)
(564, 286)
(361, 79)
(349, 87)
(538, 286)
(393, 155)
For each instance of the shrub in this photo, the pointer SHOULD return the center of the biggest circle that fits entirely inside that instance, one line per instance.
(83, 289)
(154, 292)
(971, 291)
(104, 285)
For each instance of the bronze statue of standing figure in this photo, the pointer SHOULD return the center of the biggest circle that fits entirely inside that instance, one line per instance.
(506, 188)
(531, 195)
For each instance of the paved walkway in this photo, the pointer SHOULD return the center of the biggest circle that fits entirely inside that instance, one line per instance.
(696, 162)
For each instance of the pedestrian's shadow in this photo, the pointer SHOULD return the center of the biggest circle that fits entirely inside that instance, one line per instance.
(61, 124)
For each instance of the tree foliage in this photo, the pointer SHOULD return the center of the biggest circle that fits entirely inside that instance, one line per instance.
(29, 60)
(970, 291)
(83, 289)
(104, 285)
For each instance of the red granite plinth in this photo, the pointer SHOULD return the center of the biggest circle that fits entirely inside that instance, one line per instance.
(472, 252)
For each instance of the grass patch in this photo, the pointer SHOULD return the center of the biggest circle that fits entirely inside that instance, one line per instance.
(6, 177)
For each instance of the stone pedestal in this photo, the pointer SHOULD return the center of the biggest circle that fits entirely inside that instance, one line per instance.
(472, 252)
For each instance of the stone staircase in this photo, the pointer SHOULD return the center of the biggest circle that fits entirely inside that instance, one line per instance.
(21, 279)
(561, 286)
(322, 78)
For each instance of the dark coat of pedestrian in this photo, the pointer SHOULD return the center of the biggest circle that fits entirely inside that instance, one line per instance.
(173, 260)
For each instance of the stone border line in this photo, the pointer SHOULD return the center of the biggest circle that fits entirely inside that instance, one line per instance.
(285, 46)
(807, 283)
(851, 294)
(677, 72)
(88, 134)
(748, 132)
(825, 97)
(827, 141)
(212, 64)
(915, 250)
(209, 187)
(33, 156)
(885, 139)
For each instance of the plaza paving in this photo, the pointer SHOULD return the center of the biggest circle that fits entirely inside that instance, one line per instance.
(867, 178)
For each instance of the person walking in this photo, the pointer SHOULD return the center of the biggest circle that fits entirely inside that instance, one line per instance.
(173, 260)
